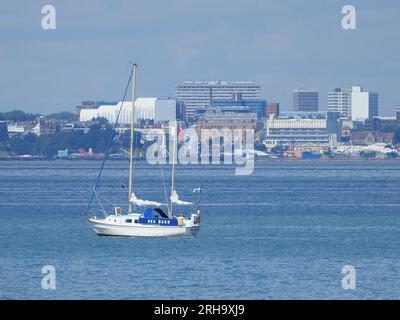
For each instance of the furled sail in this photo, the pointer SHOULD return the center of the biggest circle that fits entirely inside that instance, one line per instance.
(175, 199)
(140, 202)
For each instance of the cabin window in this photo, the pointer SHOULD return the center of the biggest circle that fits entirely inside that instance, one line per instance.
(128, 220)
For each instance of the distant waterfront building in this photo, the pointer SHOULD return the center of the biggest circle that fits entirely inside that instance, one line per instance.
(148, 134)
(305, 100)
(46, 126)
(334, 123)
(181, 111)
(253, 105)
(384, 124)
(364, 105)
(156, 109)
(272, 108)
(76, 126)
(353, 103)
(87, 105)
(298, 129)
(365, 138)
(339, 100)
(198, 94)
(62, 153)
(15, 128)
(213, 119)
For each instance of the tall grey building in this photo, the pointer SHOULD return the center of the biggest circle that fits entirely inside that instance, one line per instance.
(305, 100)
(339, 100)
(198, 94)
(373, 104)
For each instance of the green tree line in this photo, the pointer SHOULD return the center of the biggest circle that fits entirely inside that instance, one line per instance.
(18, 115)
(48, 145)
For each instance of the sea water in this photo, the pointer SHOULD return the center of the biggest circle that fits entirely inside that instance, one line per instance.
(284, 232)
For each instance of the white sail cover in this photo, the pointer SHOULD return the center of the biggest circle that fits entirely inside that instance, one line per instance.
(175, 199)
(140, 202)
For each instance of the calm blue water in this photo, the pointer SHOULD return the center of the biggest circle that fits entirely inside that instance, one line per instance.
(284, 232)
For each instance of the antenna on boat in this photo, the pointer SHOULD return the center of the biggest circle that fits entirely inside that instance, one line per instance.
(131, 152)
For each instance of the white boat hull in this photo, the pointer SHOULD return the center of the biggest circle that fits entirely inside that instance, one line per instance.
(117, 227)
(136, 230)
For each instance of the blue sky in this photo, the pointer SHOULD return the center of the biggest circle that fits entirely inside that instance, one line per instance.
(281, 45)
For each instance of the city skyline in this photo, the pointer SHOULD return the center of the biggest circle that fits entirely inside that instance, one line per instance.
(87, 57)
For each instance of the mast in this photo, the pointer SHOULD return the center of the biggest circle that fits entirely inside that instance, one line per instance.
(175, 138)
(132, 137)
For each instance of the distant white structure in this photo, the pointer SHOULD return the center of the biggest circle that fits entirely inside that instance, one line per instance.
(15, 128)
(36, 129)
(296, 131)
(376, 147)
(364, 104)
(353, 103)
(156, 109)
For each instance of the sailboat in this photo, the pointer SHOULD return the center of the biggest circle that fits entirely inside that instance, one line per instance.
(145, 218)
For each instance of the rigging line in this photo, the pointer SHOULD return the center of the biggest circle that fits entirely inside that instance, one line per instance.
(99, 196)
(104, 210)
(109, 143)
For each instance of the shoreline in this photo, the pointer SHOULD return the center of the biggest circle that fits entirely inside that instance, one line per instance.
(256, 159)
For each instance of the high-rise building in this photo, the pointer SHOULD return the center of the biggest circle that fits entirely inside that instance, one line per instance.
(253, 105)
(180, 111)
(272, 108)
(364, 105)
(353, 103)
(305, 100)
(198, 94)
(339, 100)
(373, 104)
(333, 123)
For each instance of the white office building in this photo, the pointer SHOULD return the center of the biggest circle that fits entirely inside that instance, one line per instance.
(364, 105)
(300, 128)
(198, 94)
(353, 103)
(157, 109)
